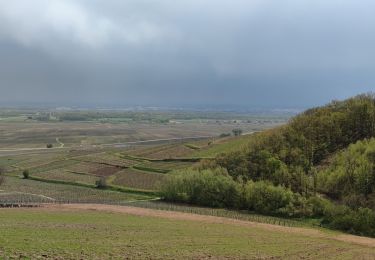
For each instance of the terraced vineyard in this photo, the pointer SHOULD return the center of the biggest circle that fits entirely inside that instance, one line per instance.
(107, 158)
(72, 174)
(137, 179)
(67, 176)
(168, 165)
(164, 152)
(16, 190)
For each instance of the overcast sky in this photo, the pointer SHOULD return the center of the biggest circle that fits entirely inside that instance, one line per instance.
(251, 53)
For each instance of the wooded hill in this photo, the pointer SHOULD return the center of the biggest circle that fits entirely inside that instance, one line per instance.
(293, 154)
(321, 164)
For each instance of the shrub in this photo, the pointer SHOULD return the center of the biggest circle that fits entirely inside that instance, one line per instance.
(2, 178)
(263, 197)
(214, 188)
(318, 206)
(237, 132)
(351, 175)
(49, 145)
(101, 183)
(360, 221)
(224, 135)
(26, 174)
(355, 201)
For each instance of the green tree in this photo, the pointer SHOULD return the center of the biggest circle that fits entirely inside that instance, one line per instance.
(237, 132)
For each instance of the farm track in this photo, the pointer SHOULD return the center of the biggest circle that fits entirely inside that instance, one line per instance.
(365, 241)
(60, 143)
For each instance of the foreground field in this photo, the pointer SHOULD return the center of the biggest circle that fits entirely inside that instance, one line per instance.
(73, 231)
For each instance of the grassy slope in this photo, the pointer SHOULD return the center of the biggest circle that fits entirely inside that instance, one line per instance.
(88, 234)
(222, 146)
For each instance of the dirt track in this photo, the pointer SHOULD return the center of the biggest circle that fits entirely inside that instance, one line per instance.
(212, 219)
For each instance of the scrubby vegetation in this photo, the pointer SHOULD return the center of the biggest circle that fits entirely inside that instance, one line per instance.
(351, 176)
(2, 175)
(325, 152)
(26, 174)
(215, 188)
(101, 183)
(212, 188)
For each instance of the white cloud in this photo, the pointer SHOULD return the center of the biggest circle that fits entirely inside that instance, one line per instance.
(39, 23)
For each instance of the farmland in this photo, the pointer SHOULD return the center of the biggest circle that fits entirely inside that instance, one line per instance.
(137, 179)
(131, 170)
(118, 154)
(99, 128)
(111, 146)
(20, 190)
(73, 233)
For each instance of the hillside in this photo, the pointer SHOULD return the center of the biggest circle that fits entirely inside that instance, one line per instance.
(305, 168)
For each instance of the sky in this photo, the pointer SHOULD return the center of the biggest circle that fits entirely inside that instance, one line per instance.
(206, 53)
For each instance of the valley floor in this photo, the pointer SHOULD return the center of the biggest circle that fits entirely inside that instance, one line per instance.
(92, 231)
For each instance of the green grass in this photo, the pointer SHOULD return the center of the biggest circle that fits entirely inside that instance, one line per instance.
(34, 233)
(222, 146)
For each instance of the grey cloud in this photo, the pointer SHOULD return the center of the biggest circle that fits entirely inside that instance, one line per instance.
(164, 52)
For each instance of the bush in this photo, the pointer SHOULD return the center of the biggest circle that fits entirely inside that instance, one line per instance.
(360, 221)
(26, 174)
(318, 206)
(263, 197)
(355, 201)
(49, 145)
(101, 183)
(2, 178)
(214, 188)
(351, 175)
(224, 135)
(237, 132)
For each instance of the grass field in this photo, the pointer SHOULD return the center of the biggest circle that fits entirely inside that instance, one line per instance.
(79, 234)
(224, 145)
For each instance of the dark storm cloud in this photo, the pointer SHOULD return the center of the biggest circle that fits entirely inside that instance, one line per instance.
(187, 52)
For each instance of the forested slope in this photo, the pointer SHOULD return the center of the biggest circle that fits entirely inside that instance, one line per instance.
(289, 155)
(321, 164)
